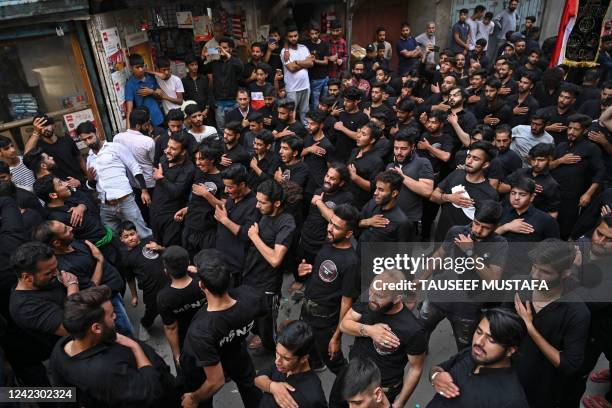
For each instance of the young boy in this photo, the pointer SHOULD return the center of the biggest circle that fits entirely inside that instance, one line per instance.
(269, 110)
(170, 85)
(141, 90)
(259, 86)
(141, 260)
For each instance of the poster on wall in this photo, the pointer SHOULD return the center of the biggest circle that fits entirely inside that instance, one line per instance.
(184, 19)
(110, 40)
(202, 28)
(117, 64)
(72, 120)
(138, 43)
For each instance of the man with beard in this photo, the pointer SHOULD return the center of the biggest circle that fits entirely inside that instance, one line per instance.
(524, 104)
(439, 98)
(349, 121)
(215, 341)
(578, 169)
(200, 226)
(257, 54)
(235, 218)
(69, 161)
(476, 240)
(256, 125)
(179, 301)
(107, 167)
(233, 150)
(483, 376)
(292, 167)
(510, 161)
(265, 161)
(287, 125)
(297, 59)
(531, 66)
(461, 122)
(318, 72)
(408, 50)
(389, 334)
(382, 219)
(417, 179)
(377, 105)
(338, 50)
(107, 369)
(333, 286)
(87, 263)
(141, 261)
(358, 79)
(291, 379)
(173, 179)
(364, 163)
(558, 115)
(196, 117)
(557, 326)
(594, 107)
(492, 110)
(325, 199)
(477, 87)
(37, 302)
(316, 153)
(503, 72)
(462, 189)
(175, 120)
(525, 137)
(226, 74)
(271, 239)
(406, 117)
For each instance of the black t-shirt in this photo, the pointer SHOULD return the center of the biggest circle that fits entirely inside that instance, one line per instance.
(314, 229)
(91, 227)
(443, 142)
(238, 155)
(258, 273)
(200, 214)
(416, 168)
(490, 387)
(180, 305)
(66, 155)
(219, 336)
(395, 231)
(368, 166)
(451, 215)
(39, 313)
(233, 246)
(335, 273)
(549, 199)
(575, 179)
(544, 225)
(320, 51)
(147, 267)
(308, 390)
(297, 173)
(171, 192)
(345, 144)
(317, 165)
(390, 361)
(554, 116)
(81, 263)
(510, 161)
(161, 142)
(268, 165)
(529, 102)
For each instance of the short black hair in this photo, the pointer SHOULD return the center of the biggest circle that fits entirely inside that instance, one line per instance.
(406, 105)
(265, 136)
(213, 271)
(176, 261)
(33, 159)
(210, 152)
(542, 150)
(255, 116)
(479, 72)
(295, 143)
(181, 137)
(362, 374)
(84, 308)
(531, 18)
(25, 259)
(316, 116)
(349, 214)
(555, 253)
(4, 168)
(139, 117)
(191, 109)
(44, 186)
(464, 11)
(234, 126)
(5, 141)
(85, 127)
(570, 88)
(493, 83)
(479, 9)
(189, 58)
(227, 40)
(136, 59)
(334, 81)
(375, 130)
(163, 62)
(175, 115)
(504, 128)
(482, 42)
(287, 104)
(522, 183)
(409, 135)
(507, 328)
(392, 178)
(297, 337)
(488, 211)
(584, 120)
(236, 172)
(487, 147)
(342, 169)
(126, 226)
(271, 189)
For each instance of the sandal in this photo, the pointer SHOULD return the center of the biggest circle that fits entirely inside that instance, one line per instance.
(595, 401)
(601, 376)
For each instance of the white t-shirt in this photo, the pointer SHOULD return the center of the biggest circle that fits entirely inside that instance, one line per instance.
(209, 131)
(296, 81)
(473, 32)
(170, 87)
(484, 31)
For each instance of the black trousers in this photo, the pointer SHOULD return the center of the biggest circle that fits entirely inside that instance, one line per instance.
(144, 209)
(569, 212)
(195, 240)
(165, 230)
(430, 211)
(150, 311)
(322, 335)
(265, 325)
(463, 328)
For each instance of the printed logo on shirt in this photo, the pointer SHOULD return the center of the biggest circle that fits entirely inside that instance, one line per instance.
(211, 187)
(149, 253)
(384, 350)
(330, 204)
(237, 334)
(328, 272)
(287, 175)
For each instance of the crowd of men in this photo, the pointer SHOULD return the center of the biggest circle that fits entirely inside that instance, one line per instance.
(240, 173)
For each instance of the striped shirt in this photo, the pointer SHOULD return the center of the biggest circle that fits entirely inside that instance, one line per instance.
(22, 176)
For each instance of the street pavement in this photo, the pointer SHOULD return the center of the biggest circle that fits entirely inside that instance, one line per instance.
(441, 345)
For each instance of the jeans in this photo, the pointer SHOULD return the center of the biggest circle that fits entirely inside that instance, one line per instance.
(301, 103)
(316, 89)
(127, 210)
(122, 321)
(463, 328)
(223, 106)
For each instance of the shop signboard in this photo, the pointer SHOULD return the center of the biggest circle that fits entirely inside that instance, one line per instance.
(138, 43)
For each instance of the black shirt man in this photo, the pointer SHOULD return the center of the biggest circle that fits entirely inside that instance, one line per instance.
(364, 163)
(233, 150)
(523, 103)
(493, 109)
(558, 114)
(349, 121)
(317, 152)
(265, 161)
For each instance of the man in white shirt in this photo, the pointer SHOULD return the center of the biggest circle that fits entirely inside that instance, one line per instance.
(525, 137)
(195, 119)
(142, 148)
(296, 60)
(474, 26)
(107, 167)
(485, 28)
(427, 41)
(170, 86)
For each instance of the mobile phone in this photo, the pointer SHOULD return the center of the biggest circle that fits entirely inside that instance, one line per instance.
(213, 51)
(271, 40)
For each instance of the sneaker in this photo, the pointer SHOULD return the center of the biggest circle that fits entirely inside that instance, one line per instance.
(601, 376)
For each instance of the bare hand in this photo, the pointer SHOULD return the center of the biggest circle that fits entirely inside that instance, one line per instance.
(570, 158)
(39, 125)
(188, 401)
(144, 91)
(91, 174)
(520, 110)
(145, 197)
(154, 246)
(585, 199)
(95, 251)
(445, 386)
(225, 161)
(220, 213)
(282, 397)
(556, 127)
(179, 216)
(68, 279)
(598, 137)
(73, 183)
(158, 172)
(76, 215)
(459, 199)
(377, 221)
(381, 333)
(200, 190)
(253, 231)
(334, 347)
(464, 242)
(520, 226)
(524, 311)
(304, 268)
(134, 301)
